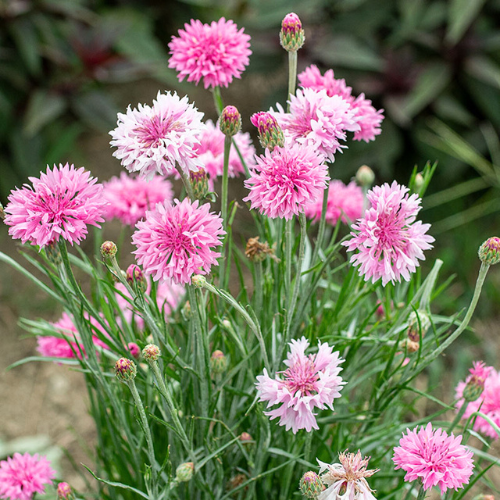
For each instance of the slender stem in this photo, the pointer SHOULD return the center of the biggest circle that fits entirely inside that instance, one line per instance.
(421, 493)
(186, 181)
(288, 255)
(458, 416)
(292, 75)
(321, 229)
(225, 178)
(258, 286)
(219, 105)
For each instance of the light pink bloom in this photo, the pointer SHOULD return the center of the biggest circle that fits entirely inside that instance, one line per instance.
(488, 402)
(285, 181)
(21, 476)
(309, 382)
(152, 139)
(369, 118)
(61, 203)
(388, 240)
(346, 480)
(176, 241)
(216, 52)
(129, 197)
(435, 458)
(345, 202)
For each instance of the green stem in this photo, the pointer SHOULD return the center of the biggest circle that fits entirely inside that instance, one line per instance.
(421, 493)
(225, 178)
(321, 230)
(458, 416)
(288, 256)
(186, 181)
(292, 75)
(219, 105)
(258, 287)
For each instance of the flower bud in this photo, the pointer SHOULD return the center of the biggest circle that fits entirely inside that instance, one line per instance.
(291, 34)
(410, 345)
(53, 253)
(2, 213)
(64, 492)
(489, 251)
(186, 311)
(415, 328)
(230, 121)
(474, 386)
(151, 352)
(311, 485)
(419, 182)
(125, 369)
(365, 176)
(246, 438)
(199, 183)
(134, 350)
(108, 249)
(198, 281)
(270, 133)
(184, 472)
(218, 363)
(135, 275)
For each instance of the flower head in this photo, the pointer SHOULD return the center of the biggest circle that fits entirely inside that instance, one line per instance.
(152, 139)
(151, 353)
(285, 181)
(434, 457)
(291, 34)
(177, 241)
(184, 472)
(270, 133)
(109, 249)
(64, 492)
(61, 203)
(388, 240)
(311, 485)
(230, 121)
(310, 381)
(125, 370)
(21, 476)
(214, 52)
(489, 251)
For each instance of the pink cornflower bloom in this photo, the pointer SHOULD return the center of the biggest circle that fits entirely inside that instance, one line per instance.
(285, 181)
(344, 202)
(388, 240)
(152, 139)
(310, 381)
(21, 476)
(216, 52)
(488, 401)
(61, 203)
(177, 241)
(347, 479)
(129, 197)
(369, 119)
(435, 458)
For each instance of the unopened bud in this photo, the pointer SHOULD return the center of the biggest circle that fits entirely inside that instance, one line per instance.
(2, 213)
(410, 345)
(419, 182)
(198, 281)
(135, 275)
(125, 369)
(230, 121)
(489, 251)
(64, 492)
(218, 363)
(311, 485)
(291, 34)
(134, 350)
(270, 133)
(53, 253)
(199, 183)
(151, 352)
(186, 311)
(184, 472)
(246, 438)
(108, 249)
(365, 176)
(474, 386)
(418, 323)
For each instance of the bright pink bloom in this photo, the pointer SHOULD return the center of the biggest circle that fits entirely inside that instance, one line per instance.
(216, 52)
(388, 240)
(176, 241)
(21, 476)
(309, 382)
(61, 203)
(435, 458)
(285, 181)
(345, 202)
(153, 139)
(129, 197)
(134, 350)
(488, 402)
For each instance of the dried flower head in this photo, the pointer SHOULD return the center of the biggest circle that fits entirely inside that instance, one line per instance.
(257, 251)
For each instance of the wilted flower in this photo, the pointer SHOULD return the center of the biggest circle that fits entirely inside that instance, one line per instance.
(257, 251)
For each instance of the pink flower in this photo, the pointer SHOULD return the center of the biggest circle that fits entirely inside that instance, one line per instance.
(130, 197)
(153, 139)
(61, 203)
(345, 202)
(435, 458)
(285, 181)
(488, 402)
(388, 240)
(177, 240)
(216, 52)
(309, 382)
(21, 476)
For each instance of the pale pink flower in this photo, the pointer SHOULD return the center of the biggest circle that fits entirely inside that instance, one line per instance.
(310, 381)
(177, 241)
(216, 52)
(61, 203)
(346, 479)
(369, 121)
(434, 457)
(21, 476)
(488, 402)
(344, 202)
(388, 240)
(285, 181)
(129, 197)
(152, 139)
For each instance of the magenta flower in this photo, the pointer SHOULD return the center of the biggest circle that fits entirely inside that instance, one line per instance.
(176, 241)
(285, 181)
(21, 476)
(61, 203)
(153, 139)
(309, 382)
(129, 197)
(344, 202)
(388, 240)
(216, 52)
(435, 458)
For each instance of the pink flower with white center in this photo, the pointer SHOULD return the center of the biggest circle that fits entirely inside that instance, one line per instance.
(177, 241)
(488, 402)
(129, 197)
(318, 120)
(435, 458)
(152, 139)
(214, 52)
(21, 476)
(346, 479)
(285, 181)
(344, 202)
(61, 203)
(310, 381)
(388, 240)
